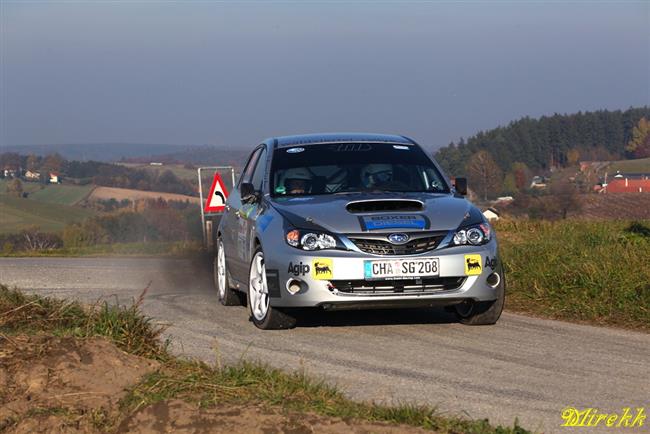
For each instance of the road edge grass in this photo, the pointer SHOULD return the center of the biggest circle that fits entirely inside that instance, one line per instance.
(206, 385)
(585, 272)
(162, 249)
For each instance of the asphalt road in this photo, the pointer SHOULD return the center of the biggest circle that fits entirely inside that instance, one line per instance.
(522, 367)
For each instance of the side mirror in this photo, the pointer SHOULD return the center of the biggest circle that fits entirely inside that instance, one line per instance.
(248, 193)
(461, 186)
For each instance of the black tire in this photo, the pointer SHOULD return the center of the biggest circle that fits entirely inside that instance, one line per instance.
(227, 295)
(483, 312)
(274, 319)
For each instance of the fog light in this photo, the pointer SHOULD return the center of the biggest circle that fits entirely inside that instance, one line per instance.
(293, 286)
(493, 280)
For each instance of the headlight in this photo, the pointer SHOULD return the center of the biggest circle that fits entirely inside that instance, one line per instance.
(473, 235)
(309, 240)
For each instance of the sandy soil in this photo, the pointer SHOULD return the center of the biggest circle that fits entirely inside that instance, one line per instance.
(125, 193)
(64, 385)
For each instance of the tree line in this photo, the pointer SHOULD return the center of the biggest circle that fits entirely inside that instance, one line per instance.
(99, 173)
(554, 141)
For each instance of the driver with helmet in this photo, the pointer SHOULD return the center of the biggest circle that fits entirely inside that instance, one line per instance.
(376, 175)
(297, 181)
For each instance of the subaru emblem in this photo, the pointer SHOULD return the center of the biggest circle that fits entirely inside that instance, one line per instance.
(398, 238)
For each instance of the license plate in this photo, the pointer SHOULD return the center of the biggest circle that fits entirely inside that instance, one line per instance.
(401, 268)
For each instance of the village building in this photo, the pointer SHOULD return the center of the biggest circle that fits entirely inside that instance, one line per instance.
(32, 176)
(491, 214)
(55, 178)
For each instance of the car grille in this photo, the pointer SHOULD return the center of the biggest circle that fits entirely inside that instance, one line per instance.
(423, 285)
(413, 247)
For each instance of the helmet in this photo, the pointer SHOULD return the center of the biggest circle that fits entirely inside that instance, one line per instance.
(374, 175)
(297, 179)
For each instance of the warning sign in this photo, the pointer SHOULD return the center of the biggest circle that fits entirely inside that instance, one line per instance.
(216, 200)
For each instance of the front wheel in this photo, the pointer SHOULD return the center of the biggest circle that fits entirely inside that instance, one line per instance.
(264, 315)
(483, 312)
(227, 295)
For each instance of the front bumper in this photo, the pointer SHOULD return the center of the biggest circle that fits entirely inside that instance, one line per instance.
(286, 264)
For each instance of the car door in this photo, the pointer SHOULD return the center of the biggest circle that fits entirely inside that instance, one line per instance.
(250, 211)
(233, 233)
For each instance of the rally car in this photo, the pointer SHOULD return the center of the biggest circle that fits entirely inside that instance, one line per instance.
(353, 221)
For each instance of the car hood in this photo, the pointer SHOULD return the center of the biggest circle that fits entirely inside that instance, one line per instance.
(330, 212)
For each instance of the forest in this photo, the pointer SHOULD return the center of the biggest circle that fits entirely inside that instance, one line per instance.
(555, 141)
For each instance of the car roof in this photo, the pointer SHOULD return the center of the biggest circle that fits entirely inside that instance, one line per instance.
(308, 139)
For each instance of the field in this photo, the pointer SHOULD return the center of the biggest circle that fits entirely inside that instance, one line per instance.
(591, 271)
(615, 206)
(62, 194)
(125, 193)
(640, 165)
(17, 214)
(28, 187)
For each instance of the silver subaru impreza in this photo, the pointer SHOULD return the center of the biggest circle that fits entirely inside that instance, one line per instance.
(353, 221)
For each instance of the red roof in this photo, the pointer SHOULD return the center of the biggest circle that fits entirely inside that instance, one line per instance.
(624, 185)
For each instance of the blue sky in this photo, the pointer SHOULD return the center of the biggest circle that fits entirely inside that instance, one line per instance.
(233, 73)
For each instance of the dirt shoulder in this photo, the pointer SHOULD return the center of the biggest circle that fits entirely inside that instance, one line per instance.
(65, 367)
(53, 384)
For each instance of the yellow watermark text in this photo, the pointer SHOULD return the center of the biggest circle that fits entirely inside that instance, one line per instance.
(590, 417)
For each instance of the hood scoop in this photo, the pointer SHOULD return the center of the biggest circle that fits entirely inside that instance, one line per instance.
(379, 205)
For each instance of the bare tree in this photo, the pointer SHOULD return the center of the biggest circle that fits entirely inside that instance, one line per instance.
(565, 197)
(484, 174)
(15, 187)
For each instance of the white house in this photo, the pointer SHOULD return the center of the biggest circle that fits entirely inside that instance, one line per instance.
(55, 178)
(491, 214)
(32, 176)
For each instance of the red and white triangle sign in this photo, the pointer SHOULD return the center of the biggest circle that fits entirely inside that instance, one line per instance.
(216, 200)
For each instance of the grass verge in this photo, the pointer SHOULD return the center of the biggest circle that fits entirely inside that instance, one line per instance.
(197, 382)
(175, 249)
(591, 271)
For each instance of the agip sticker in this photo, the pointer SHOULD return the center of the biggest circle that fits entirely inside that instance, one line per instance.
(322, 269)
(473, 265)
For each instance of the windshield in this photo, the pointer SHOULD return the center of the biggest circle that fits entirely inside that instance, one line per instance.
(353, 167)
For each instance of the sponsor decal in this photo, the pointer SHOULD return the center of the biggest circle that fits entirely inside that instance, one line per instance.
(473, 265)
(322, 268)
(294, 150)
(401, 147)
(416, 221)
(591, 417)
(490, 262)
(299, 269)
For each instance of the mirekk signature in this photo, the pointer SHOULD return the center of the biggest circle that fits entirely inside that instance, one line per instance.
(592, 417)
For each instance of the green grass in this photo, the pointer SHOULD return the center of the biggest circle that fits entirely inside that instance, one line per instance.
(17, 214)
(592, 271)
(125, 326)
(62, 194)
(244, 383)
(640, 165)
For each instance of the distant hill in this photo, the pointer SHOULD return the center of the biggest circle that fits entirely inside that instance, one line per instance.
(548, 141)
(205, 155)
(94, 151)
(138, 152)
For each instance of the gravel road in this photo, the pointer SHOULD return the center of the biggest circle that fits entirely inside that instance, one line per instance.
(523, 367)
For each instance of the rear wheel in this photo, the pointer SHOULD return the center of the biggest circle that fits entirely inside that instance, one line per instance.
(482, 312)
(264, 315)
(227, 295)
